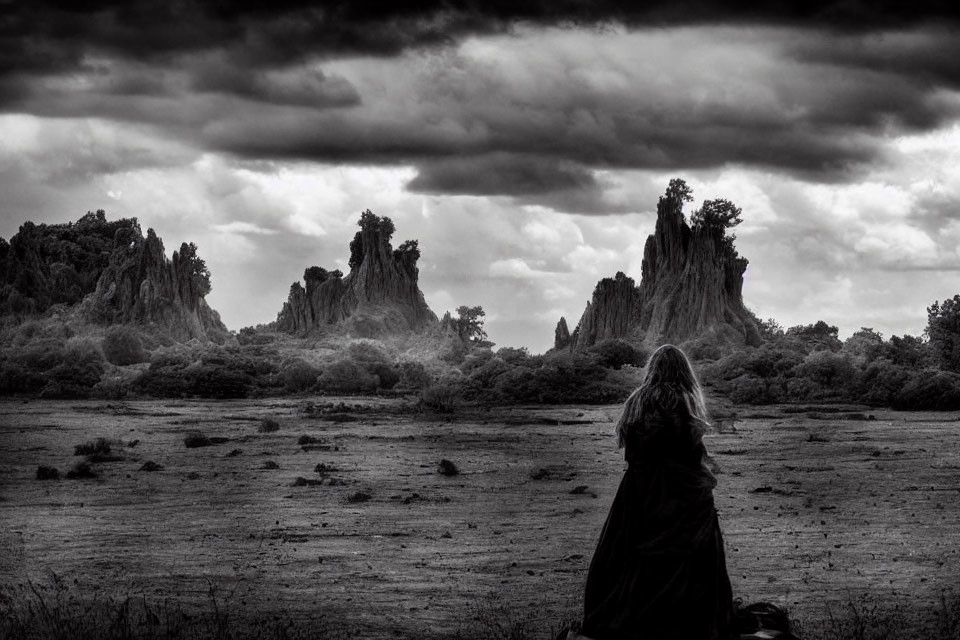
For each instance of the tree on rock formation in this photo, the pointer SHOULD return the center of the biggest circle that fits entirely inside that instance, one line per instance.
(691, 284)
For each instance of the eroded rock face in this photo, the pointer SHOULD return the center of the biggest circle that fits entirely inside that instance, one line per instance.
(380, 295)
(561, 335)
(140, 285)
(691, 287)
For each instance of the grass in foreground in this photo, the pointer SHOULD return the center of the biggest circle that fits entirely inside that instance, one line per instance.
(55, 609)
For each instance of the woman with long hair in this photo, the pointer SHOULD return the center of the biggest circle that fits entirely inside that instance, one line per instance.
(659, 570)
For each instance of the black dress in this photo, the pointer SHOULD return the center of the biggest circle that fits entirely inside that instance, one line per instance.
(659, 570)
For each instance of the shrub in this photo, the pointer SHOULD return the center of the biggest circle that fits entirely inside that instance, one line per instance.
(387, 376)
(305, 482)
(413, 375)
(122, 346)
(513, 356)
(220, 382)
(454, 351)
(879, 383)
(15, 378)
(81, 471)
(829, 370)
(72, 379)
(112, 388)
(47, 473)
(614, 354)
(749, 389)
(268, 425)
(347, 375)
(440, 398)
(367, 352)
(930, 390)
(196, 439)
(299, 375)
(447, 468)
(173, 376)
(99, 446)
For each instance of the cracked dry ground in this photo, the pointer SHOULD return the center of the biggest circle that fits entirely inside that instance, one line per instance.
(815, 508)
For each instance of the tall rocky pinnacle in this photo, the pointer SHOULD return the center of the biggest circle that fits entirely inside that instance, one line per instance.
(140, 285)
(691, 284)
(380, 295)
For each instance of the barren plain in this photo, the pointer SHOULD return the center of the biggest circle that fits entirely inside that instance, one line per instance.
(341, 516)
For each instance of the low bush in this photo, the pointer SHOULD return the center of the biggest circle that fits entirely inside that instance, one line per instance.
(268, 425)
(440, 398)
(299, 375)
(367, 352)
(347, 376)
(413, 375)
(447, 468)
(614, 354)
(81, 471)
(929, 391)
(99, 446)
(47, 473)
(196, 439)
(122, 346)
(387, 375)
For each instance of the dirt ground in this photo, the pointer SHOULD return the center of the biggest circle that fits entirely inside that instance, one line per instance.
(816, 506)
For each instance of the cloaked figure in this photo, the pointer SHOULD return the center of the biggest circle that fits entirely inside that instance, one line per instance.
(659, 571)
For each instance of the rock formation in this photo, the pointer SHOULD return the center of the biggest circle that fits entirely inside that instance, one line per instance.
(106, 272)
(380, 295)
(691, 284)
(48, 264)
(561, 335)
(140, 285)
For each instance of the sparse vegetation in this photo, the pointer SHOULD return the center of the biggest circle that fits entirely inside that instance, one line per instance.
(196, 439)
(81, 471)
(47, 473)
(268, 425)
(447, 468)
(359, 496)
(99, 446)
(440, 398)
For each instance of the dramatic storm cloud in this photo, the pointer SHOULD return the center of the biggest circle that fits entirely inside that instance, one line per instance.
(525, 147)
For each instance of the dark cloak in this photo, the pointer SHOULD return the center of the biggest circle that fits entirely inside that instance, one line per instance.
(659, 570)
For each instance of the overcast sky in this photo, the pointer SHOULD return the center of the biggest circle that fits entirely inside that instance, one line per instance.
(524, 148)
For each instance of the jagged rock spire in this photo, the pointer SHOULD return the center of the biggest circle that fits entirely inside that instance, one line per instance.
(379, 296)
(691, 286)
(140, 285)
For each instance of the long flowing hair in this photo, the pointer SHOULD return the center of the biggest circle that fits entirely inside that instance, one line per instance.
(670, 384)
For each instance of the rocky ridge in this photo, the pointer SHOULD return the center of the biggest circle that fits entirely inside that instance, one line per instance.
(107, 272)
(140, 285)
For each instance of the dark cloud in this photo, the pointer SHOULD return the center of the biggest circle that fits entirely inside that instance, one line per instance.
(309, 87)
(501, 174)
(818, 95)
(56, 34)
(928, 57)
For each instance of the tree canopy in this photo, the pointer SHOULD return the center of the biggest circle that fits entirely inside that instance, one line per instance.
(943, 327)
(469, 323)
